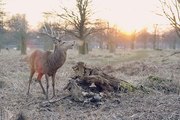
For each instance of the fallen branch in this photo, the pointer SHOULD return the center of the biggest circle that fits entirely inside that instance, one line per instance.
(177, 52)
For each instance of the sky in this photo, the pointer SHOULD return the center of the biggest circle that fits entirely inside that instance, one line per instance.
(128, 15)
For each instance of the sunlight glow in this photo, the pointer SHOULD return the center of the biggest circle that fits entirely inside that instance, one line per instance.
(129, 15)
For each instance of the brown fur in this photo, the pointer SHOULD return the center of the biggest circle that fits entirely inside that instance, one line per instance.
(47, 63)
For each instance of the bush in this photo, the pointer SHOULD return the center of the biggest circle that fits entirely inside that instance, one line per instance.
(166, 86)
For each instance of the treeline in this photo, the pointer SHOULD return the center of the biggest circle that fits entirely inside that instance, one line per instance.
(77, 24)
(113, 38)
(15, 30)
(107, 38)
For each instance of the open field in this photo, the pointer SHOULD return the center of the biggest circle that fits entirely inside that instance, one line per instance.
(133, 66)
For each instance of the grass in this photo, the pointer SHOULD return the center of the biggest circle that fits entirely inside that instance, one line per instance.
(134, 66)
(105, 58)
(2, 84)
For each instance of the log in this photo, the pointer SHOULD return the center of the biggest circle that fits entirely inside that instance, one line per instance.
(103, 81)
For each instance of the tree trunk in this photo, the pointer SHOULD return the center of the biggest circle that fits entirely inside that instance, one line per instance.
(1, 36)
(0, 46)
(145, 44)
(23, 45)
(111, 47)
(101, 44)
(174, 44)
(132, 44)
(133, 38)
(154, 43)
(83, 49)
(155, 36)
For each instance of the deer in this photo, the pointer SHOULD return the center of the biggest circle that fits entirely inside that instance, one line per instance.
(47, 63)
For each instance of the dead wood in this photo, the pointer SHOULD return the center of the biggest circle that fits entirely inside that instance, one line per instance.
(75, 91)
(88, 83)
(52, 101)
(97, 76)
(104, 82)
(177, 52)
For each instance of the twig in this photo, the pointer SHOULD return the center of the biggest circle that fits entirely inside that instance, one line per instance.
(54, 100)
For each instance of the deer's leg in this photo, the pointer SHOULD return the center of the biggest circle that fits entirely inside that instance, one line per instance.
(47, 85)
(53, 84)
(30, 80)
(42, 87)
(40, 83)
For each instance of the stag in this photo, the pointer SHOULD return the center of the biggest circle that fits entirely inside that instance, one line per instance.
(47, 63)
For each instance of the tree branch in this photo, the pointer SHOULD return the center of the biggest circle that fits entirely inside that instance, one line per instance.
(172, 13)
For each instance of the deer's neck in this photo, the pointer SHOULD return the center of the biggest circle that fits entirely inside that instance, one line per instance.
(57, 59)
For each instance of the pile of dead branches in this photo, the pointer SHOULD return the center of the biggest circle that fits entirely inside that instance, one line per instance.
(94, 83)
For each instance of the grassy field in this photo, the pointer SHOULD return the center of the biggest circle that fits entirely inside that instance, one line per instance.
(133, 66)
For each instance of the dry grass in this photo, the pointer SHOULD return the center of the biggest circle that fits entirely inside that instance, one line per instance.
(133, 66)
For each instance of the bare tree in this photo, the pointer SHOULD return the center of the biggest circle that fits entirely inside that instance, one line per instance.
(170, 37)
(78, 23)
(19, 24)
(155, 36)
(171, 9)
(2, 15)
(144, 36)
(112, 36)
(133, 38)
(101, 35)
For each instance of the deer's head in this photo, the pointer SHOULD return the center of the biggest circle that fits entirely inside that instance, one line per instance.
(64, 45)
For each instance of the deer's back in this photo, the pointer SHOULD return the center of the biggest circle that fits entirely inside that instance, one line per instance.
(46, 62)
(38, 60)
